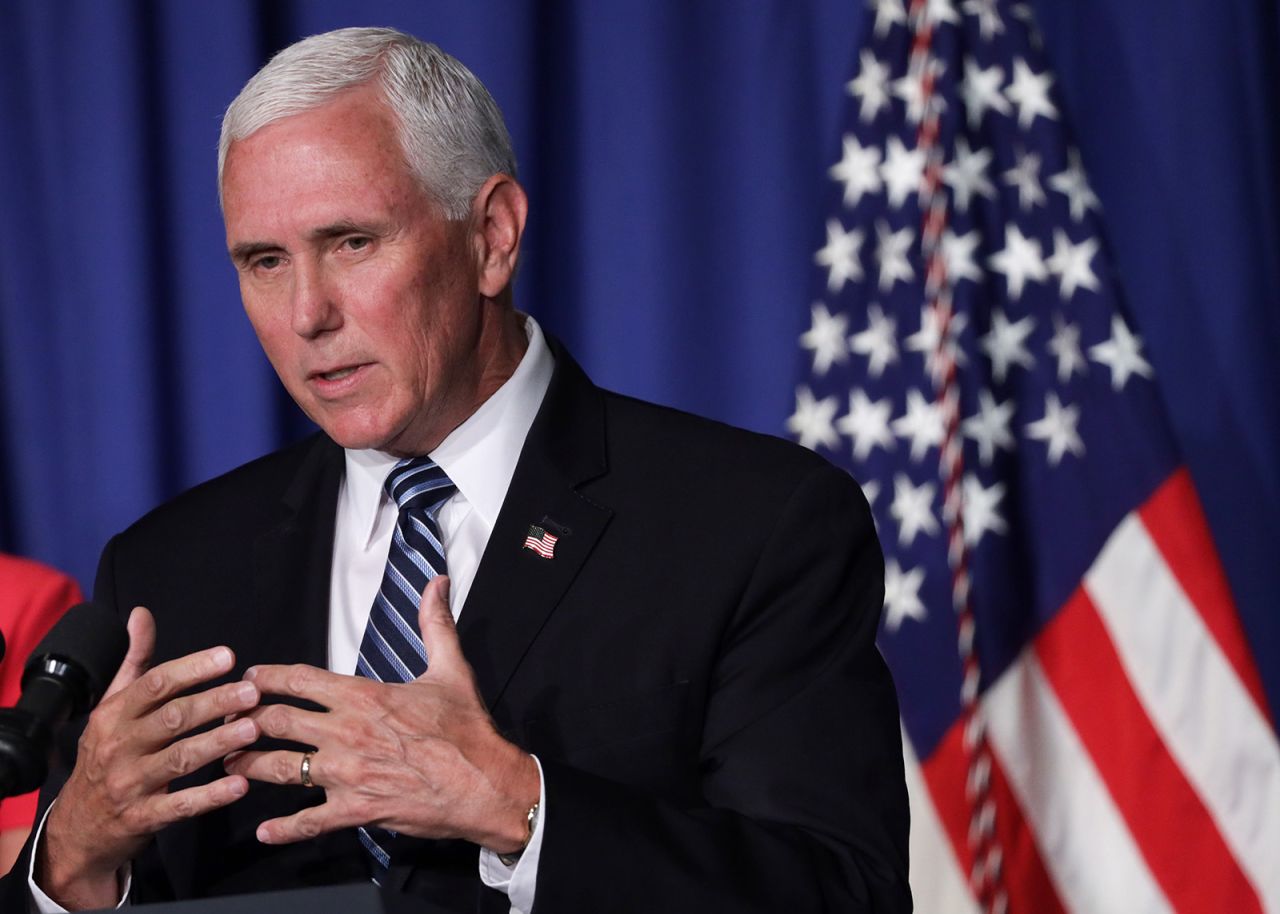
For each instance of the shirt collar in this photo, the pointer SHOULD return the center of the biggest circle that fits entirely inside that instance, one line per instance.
(479, 455)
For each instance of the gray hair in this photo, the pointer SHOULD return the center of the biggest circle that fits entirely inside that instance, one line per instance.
(450, 129)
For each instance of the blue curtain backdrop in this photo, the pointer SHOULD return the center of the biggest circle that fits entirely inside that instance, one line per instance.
(675, 152)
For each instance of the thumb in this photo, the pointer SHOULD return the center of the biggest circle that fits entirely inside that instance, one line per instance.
(439, 634)
(142, 642)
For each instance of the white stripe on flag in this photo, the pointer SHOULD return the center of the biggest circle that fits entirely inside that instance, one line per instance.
(938, 884)
(1084, 842)
(1212, 726)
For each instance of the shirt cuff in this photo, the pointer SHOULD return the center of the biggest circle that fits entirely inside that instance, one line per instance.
(43, 904)
(519, 882)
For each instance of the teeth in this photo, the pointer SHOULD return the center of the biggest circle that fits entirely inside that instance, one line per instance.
(337, 375)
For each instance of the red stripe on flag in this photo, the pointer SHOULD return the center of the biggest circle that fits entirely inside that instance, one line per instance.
(1025, 879)
(1171, 826)
(1176, 523)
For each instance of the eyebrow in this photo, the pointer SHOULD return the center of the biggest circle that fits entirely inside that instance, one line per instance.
(246, 250)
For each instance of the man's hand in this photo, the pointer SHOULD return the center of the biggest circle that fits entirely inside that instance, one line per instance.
(133, 746)
(422, 758)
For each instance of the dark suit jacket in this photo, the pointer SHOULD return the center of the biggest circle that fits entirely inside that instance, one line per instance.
(695, 667)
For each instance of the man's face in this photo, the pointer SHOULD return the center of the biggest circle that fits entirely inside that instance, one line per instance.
(366, 301)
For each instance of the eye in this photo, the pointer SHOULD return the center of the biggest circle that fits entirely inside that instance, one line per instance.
(357, 242)
(267, 262)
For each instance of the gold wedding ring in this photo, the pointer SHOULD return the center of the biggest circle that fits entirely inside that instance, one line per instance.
(306, 770)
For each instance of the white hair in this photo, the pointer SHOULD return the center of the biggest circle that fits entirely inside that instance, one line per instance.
(450, 129)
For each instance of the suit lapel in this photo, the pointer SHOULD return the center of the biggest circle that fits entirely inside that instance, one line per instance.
(292, 559)
(515, 589)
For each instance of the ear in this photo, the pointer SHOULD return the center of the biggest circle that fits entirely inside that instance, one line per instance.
(498, 214)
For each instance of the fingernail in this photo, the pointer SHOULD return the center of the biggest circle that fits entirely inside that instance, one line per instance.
(246, 729)
(263, 835)
(247, 692)
(230, 758)
(444, 589)
(238, 788)
(222, 656)
(250, 673)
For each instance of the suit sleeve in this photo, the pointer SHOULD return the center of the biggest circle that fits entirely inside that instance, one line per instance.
(804, 803)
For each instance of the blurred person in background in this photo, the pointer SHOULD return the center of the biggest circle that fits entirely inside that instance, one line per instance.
(32, 598)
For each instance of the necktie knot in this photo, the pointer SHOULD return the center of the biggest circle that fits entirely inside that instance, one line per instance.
(419, 483)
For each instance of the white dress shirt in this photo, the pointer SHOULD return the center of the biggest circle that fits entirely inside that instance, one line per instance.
(480, 457)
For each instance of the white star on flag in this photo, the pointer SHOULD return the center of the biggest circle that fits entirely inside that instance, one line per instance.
(981, 90)
(888, 14)
(1065, 346)
(1030, 92)
(1019, 260)
(891, 253)
(981, 509)
(928, 340)
(957, 254)
(989, 426)
(1073, 184)
(1122, 354)
(922, 423)
(937, 12)
(989, 22)
(1070, 263)
(871, 86)
(840, 255)
(867, 424)
(912, 508)
(902, 595)
(879, 342)
(858, 169)
(1025, 176)
(811, 422)
(966, 175)
(902, 171)
(825, 338)
(910, 89)
(1058, 429)
(1005, 343)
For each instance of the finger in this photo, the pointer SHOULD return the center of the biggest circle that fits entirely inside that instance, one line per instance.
(142, 641)
(191, 802)
(174, 718)
(161, 683)
(302, 681)
(439, 634)
(276, 767)
(194, 752)
(286, 722)
(304, 824)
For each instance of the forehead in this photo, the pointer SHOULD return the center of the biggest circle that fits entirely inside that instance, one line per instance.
(327, 164)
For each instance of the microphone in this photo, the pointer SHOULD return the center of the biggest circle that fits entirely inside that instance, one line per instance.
(1, 645)
(66, 675)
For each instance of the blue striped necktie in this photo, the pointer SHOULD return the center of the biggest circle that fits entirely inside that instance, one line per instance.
(392, 649)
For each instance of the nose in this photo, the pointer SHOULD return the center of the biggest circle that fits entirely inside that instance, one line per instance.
(315, 308)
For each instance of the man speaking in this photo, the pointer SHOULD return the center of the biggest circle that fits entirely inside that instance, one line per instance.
(662, 691)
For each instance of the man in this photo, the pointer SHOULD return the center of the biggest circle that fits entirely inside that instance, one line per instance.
(662, 692)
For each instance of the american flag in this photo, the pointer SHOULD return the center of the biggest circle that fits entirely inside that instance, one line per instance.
(540, 541)
(1084, 725)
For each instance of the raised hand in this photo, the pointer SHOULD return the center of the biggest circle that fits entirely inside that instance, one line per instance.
(422, 758)
(133, 746)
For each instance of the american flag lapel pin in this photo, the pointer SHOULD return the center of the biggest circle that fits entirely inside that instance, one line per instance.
(541, 541)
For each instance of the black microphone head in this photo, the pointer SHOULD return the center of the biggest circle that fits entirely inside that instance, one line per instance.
(1, 645)
(90, 637)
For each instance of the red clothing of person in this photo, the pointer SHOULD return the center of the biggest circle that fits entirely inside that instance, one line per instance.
(32, 598)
